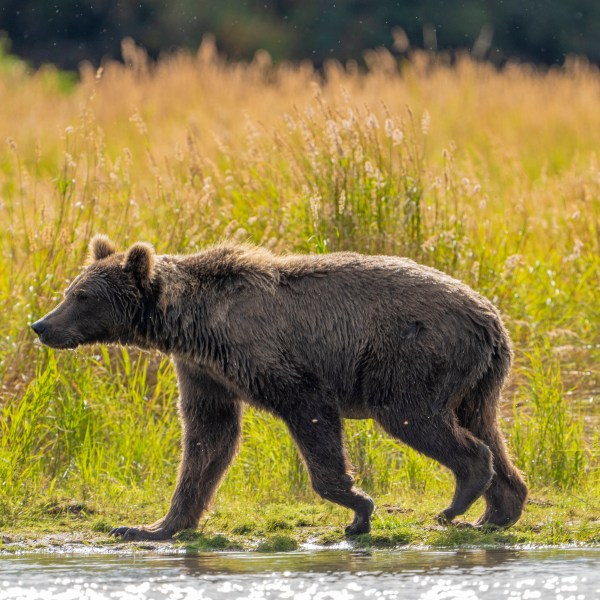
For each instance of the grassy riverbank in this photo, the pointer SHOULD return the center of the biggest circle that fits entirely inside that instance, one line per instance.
(406, 520)
(490, 176)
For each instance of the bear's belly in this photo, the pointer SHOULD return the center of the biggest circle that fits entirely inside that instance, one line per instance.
(355, 412)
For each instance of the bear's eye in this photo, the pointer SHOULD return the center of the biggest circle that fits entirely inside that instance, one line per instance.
(81, 296)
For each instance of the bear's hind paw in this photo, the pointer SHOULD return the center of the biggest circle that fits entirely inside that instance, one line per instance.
(358, 527)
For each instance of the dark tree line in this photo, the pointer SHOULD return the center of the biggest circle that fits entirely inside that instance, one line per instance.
(66, 32)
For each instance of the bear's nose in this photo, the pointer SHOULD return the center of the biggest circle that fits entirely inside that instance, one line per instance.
(38, 327)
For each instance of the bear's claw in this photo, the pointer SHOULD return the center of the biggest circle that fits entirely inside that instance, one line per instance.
(138, 534)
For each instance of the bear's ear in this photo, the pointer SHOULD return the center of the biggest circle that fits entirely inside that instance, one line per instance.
(140, 263)
(101, 247)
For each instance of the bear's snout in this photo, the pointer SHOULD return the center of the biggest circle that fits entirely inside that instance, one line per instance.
(54, 336)
(39, 327)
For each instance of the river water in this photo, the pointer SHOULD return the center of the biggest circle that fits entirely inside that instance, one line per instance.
(548, 574)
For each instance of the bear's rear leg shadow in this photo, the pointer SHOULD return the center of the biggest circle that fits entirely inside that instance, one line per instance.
(318, 435)
(441, 437)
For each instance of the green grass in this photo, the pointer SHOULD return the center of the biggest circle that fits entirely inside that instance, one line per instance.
(548, 440)
(65, 455)
(90, 439)
(551, 518)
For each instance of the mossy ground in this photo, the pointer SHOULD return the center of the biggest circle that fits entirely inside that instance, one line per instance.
(549, 519)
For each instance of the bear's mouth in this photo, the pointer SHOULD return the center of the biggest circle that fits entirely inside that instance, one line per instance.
(58, 344)
(62, 346)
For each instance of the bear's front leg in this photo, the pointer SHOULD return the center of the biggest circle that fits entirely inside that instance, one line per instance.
(210, 417)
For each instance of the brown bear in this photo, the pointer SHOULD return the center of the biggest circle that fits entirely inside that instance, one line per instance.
(313, 340)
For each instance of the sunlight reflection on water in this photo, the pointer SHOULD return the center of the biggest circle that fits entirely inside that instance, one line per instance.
(554, 574)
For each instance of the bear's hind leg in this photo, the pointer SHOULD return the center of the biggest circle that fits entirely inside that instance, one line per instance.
(506, 496)
(440, 437)
(318, 434)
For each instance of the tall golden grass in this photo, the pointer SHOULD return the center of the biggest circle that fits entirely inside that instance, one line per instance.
(490, 175)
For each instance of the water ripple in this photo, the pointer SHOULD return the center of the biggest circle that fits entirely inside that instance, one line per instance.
(572, 574)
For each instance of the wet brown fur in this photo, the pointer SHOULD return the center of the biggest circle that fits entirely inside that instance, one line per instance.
(313, 340)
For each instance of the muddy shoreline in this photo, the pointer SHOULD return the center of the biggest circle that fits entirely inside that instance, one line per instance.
(86, 543)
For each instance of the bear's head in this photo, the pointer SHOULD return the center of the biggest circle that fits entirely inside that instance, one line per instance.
(105, 302)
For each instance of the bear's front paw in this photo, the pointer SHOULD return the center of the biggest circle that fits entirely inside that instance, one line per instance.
(140, 533)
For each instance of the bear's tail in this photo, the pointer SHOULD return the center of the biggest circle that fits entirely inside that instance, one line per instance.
(478, 412)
